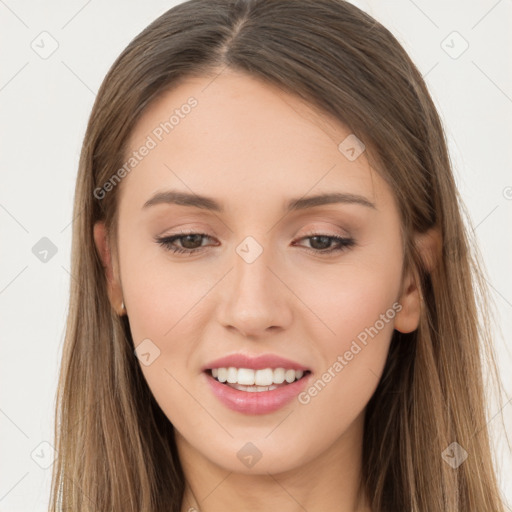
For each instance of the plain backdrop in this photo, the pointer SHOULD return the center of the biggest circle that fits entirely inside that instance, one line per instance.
(54, 55)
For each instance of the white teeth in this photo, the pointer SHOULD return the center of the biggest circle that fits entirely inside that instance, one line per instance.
(264, 377)
(222, 374)
(252, 389)
(245, 377)
(232, 375)
(289, 375)
(279, 375)
(256, 378)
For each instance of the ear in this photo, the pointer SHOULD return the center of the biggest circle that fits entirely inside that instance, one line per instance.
(428, 246)
(114, 289)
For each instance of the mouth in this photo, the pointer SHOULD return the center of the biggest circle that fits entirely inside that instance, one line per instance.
(256, 381)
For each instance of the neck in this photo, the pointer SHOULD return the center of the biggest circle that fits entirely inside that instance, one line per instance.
(329, 482)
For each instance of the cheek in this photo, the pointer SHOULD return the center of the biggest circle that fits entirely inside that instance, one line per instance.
(169, 306)
(352, 299)
(358, 306)
(163, 296)
(164, 310)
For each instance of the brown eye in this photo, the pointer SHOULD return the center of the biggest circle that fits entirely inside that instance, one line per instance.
(190, 242)
(322, 244)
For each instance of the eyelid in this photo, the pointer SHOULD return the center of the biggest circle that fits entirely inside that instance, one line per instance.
(334, 230)
(324, 232)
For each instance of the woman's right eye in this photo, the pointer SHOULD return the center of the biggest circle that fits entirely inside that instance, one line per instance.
(168, 242)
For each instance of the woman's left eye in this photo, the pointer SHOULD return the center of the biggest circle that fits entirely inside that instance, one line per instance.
(342, 243)
(192, 243)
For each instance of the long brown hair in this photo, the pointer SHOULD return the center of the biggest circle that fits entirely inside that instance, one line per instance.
(116, 449)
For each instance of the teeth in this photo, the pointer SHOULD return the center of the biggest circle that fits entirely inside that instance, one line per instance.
(252, 389)
(245, 376)
(289, 376)
(232, 375)
(256, 378)
(279, 375)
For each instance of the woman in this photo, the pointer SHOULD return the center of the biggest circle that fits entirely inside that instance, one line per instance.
(275, 299)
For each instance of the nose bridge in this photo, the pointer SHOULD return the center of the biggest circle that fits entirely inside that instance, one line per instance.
(251, 275)
(252, 299)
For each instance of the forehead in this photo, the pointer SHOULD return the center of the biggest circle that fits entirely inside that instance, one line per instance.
(232, 133)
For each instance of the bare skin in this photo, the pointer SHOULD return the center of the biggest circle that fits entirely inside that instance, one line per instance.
(252, 148)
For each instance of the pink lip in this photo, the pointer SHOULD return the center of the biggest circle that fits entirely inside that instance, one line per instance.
(257, 402)
(255, 363)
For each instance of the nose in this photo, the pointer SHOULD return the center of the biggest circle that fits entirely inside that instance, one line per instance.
(253, 299)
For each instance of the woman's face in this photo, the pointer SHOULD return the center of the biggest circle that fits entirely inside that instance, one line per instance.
(269, 279)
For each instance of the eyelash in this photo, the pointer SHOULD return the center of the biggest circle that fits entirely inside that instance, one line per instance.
(343, 243)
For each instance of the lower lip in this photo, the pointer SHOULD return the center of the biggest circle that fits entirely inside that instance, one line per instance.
(256, 402)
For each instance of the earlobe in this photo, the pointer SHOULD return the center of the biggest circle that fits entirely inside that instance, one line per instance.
(113, 286)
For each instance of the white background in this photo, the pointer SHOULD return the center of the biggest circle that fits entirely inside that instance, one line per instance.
(44, 107)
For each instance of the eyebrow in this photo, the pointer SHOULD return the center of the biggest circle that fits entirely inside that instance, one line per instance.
(302, 203)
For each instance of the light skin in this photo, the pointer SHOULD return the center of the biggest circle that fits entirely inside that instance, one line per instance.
(252, 148)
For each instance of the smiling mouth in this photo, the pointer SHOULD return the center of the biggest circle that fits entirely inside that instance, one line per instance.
(246, 379)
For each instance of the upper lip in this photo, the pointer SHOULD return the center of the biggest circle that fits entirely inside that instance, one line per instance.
(258, 362)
